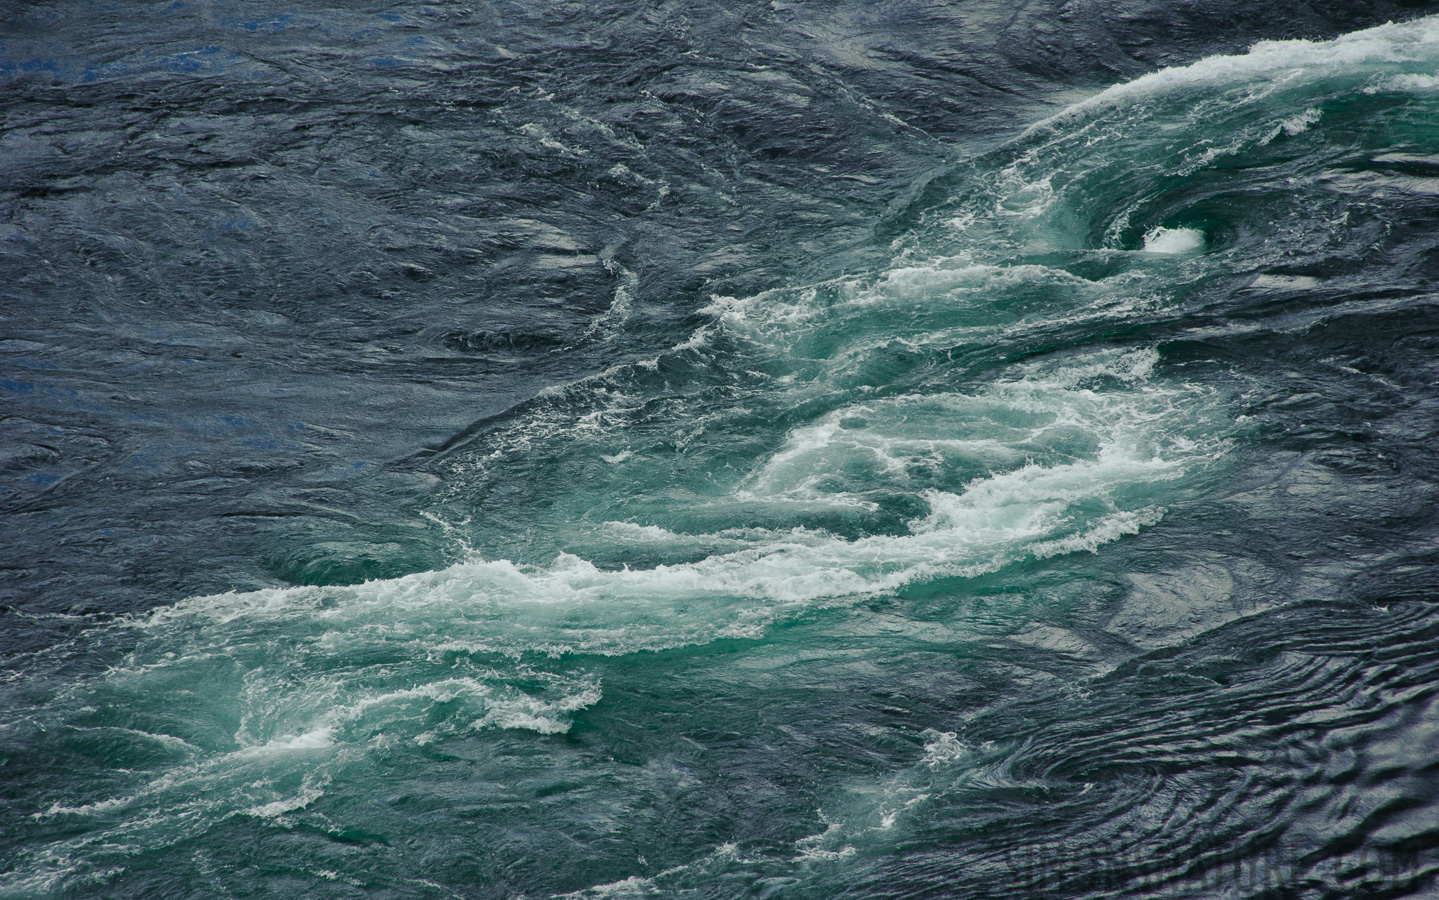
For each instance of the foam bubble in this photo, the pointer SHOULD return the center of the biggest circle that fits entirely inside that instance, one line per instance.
(316, 739)
(1174, 241)
(278, 808)
(1299, 123)
(1415, 82)
(942, 747)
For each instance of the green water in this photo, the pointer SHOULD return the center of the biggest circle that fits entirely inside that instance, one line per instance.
(915, 579)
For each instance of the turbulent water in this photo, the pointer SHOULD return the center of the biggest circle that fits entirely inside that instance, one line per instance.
(921, 450)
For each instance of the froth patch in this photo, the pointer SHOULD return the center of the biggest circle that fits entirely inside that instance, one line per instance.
(315, 739)
(1174, 241)
(1410, 83)
(277, 808)
(1408, 42)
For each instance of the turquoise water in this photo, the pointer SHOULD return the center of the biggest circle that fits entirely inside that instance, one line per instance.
(1082, 545)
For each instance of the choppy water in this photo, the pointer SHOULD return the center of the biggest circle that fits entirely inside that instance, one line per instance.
(716, 452)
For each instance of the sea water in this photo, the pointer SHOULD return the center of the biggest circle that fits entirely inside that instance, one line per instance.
(1063, 527)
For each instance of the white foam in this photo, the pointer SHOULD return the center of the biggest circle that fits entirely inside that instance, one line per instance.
(539, 716)
(1414, 83)
(1174, 241)
(964, 298)
(340, 713)
(1407, 42)
(316, 739)
(942, 747)
(98, 808)
(1299, 123)
(278, 808)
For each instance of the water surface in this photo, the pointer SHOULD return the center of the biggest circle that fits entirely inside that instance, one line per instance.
(914, 450)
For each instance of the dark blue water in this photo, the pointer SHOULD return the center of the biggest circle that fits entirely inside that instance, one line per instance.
(788, 450)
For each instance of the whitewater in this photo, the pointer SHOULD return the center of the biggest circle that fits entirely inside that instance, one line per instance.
(1068, 532)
